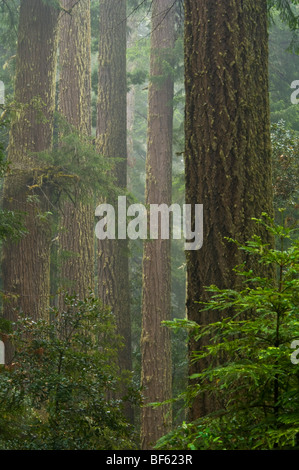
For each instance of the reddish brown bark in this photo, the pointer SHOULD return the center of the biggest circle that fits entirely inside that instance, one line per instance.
(156, 288)
(26, 264)
(77, 219)
(111, 140)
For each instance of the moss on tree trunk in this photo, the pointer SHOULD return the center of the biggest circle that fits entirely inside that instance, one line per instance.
(111, 141)
(227, 154)
(77, 219)
(26, 264)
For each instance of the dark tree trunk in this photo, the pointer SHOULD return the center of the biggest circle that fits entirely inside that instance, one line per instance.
(227, 154)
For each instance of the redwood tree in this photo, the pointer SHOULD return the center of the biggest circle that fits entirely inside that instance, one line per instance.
(26, 264)
(111, 142)
(156, 288)
(77, 218)
(227, 154)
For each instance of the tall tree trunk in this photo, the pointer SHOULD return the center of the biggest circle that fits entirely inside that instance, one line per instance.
(156, 295)
(77, 220)
(227, 154)
(26, 264)
(113, 257)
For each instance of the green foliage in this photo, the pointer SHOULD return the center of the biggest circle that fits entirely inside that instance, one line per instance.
(55, 4)
(73, 169)
(256, 383)
(9, 11)
(285, 164)
(11, 223)
(137, 77)
(288, 13)
(60, 391)
(283, 70)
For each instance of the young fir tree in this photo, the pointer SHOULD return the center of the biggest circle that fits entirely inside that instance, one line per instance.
(257, 383)
(76, 237)
(156, 377)
(111, 141)
(227, 153)
(26, 264)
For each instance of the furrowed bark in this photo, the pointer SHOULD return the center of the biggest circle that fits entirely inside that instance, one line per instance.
(77, 219)
(156, 377)
(111, 141)
(227, 154)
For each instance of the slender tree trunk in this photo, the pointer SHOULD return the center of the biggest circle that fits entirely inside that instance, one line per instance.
(130, 127)
(113, 257)
(26, 264)
(156, 305)
(77, 220)
(227, 155)
(131, 96)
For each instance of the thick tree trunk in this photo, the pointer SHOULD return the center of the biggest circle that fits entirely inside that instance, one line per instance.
(77, 220)
(113, 257)
(227, 155)
(156, 297)
(26, 264)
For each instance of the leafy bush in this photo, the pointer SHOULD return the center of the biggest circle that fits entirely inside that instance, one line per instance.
(257, 384)
(62, 389)
(11, 223)
(285, 149)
